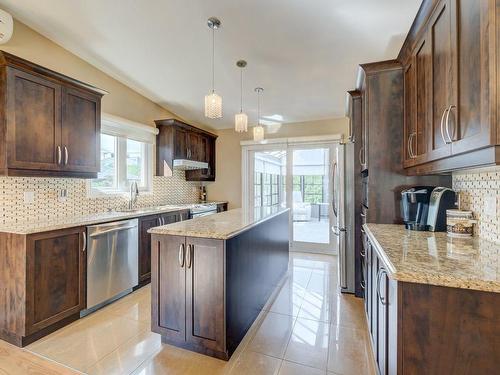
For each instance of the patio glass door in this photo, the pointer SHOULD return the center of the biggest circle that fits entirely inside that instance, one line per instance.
(298, 177)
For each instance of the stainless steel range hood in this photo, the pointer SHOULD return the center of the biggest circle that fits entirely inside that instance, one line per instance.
(187, 165)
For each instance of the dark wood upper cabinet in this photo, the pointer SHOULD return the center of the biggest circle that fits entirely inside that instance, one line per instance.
(81, 131)
(451, 46)
(33, 119)
(51, 122)
(178, 140)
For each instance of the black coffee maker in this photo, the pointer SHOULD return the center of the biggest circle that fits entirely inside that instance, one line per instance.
(415, 207)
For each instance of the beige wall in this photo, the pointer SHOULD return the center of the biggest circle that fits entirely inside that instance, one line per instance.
(121, 100)
(228, 182)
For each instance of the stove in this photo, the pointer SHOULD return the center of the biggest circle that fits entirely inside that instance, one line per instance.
(202, 209)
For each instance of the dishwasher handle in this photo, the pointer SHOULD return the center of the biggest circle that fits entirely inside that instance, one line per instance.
(119, 229)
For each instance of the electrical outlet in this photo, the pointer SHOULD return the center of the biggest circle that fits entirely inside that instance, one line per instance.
(490, 205)
(29, 197)
(62, 195)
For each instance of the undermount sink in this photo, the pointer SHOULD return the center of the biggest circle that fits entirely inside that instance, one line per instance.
(126, 210)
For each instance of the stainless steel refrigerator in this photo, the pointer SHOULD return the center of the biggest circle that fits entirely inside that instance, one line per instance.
(343, 214)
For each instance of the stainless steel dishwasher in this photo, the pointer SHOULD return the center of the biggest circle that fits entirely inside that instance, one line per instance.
(112, 261)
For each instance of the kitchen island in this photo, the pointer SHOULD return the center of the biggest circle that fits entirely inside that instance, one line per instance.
(211, 276)
(431, 301)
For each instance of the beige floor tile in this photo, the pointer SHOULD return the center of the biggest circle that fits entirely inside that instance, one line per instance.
(290, 368)
(288, 301)
(348, 351)
(88, 340)
(16, 361)
(175, 361)
(309, 343)
(129, 356)
(273, 335)
(251, 363)
(348, 311)
(317, 298)
(133, 307)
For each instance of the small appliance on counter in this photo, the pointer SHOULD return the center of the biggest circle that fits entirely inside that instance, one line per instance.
(203, 194)
(441, 200)
(415, 207)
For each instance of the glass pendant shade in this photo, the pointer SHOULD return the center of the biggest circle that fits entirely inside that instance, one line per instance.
(258, 133)
(241, 122)
(213, 105)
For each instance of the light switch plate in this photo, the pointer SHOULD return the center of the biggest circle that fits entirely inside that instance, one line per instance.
(29, 197)
(490, 205)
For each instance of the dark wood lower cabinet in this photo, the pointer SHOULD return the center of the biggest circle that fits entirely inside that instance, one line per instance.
(146, 223)
(206, 293)
(427, 329)
(42, 283)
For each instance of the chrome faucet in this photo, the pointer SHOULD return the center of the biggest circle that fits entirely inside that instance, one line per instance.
(134, 193)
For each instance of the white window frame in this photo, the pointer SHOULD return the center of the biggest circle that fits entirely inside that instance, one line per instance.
(123, 130)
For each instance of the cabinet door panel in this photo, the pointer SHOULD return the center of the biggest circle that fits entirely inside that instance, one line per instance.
(409, 133)
(180, 143)
(56, 277)
(470, 123)
(168, 315)
(423, 120)
(33, 114)
(443, 81)
(145, 246)
(81, 126)
(382, 319)
(205, 293)
(194, 146)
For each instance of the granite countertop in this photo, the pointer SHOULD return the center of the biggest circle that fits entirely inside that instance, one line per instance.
(435, 258)
(222, 226)
(103, 217)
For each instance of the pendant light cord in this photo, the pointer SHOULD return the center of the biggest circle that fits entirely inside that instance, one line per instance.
(241, 90)
(258, 107)
(213, 60)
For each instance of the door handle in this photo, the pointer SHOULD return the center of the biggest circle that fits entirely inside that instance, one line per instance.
(181, 255)
(442, 124)
(66, 155)
(189, 256)
(84, 247)
(447, 124)
(410, 145)
(380, 273)
(59, 155)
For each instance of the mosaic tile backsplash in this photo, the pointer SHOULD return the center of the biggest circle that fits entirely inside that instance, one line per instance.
(475, 187)
(13, 209)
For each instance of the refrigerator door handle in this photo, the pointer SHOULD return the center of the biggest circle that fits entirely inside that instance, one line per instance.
(334, 203)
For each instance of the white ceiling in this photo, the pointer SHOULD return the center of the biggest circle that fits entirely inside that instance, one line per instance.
(304, 53)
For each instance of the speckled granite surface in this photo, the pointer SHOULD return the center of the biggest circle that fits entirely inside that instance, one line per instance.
(435, 258)
(70, 222)
(220, 226)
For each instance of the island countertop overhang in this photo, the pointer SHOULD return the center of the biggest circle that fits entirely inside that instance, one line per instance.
(223, 225)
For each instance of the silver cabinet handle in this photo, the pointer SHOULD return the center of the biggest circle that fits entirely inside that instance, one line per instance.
(84, 247)
(59, 155)
(189, 256)
(442, 124)
(361, 155)
(181, 255)
(447, 124)
(362, 284)
(66, 155)
(159, 221)
(410, 145)
(380, 273)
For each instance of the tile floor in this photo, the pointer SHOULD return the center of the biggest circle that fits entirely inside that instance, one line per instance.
(306, 328)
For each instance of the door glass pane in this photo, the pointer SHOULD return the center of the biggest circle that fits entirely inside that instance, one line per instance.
(311, 195)
(269, 178)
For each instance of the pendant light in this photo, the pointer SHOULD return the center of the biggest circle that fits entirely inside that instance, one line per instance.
(213, 102)
(258, 131)
(241, 119)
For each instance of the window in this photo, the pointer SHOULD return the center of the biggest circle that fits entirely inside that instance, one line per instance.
(124, 158)
(310, 187)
